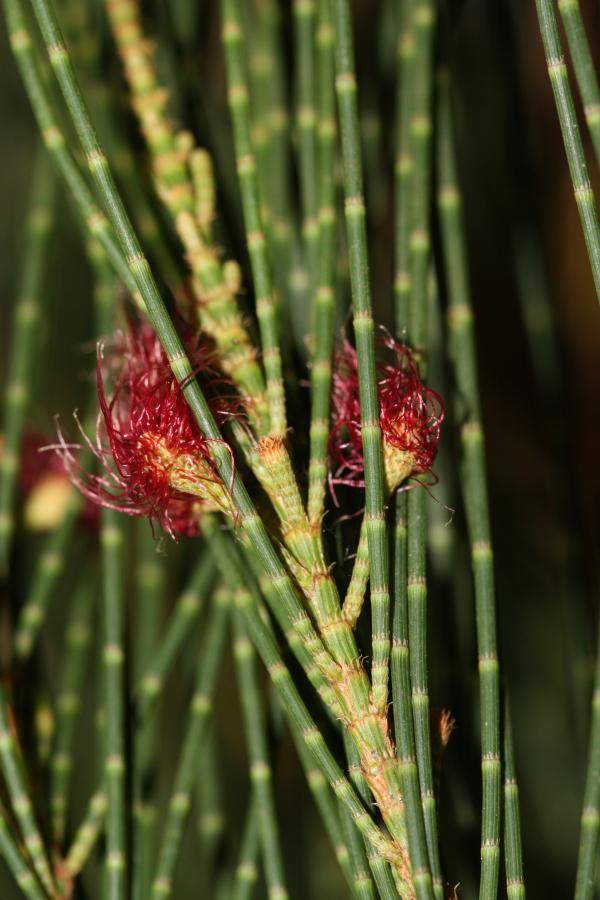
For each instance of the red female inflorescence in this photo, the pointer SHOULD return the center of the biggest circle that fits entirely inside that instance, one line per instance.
(155, 461)
(410, 415)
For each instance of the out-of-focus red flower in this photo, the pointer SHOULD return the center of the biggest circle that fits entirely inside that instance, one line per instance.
(410, 415)
(155, 461)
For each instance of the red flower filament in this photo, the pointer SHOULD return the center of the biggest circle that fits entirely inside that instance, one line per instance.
(155, 460)
(410, 415)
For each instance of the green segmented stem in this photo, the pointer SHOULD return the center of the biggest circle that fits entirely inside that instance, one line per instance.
(362, 883)
(382, 877)
(270, 136)
(559, 79)
(261, 774)
(513, 854)
(420, 129)
(589, 835)
(255, 235)
(473, 481)
(94, 221)
(211, 822)
(355, 595)
(46, 575)
(68, 705)
(324, 307)
(20, 799)
(304, 15)
(354, 208)
(583, 64)
(186, 611)
(17, 862)
(115, 862)
(209, 659)
(150, 582)
(246, 871)
(295, 710)
(403, 167)
(86, 834)
(403, 712)
(26, 317)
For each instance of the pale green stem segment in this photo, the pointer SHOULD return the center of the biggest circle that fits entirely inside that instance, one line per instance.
(474, 488)
(403, 711)
(261, 775)
(93, 220)
(355, 595)
(324, 305)
(11, 766)
(233, 43)
(304, 16)
(362, 883)
(113, 658)
(185, 614)
(68, 702)
(46, 575)
(150, 583)
(209, 660)
(26, 318)
(589, 836)
(513, 854)
(403, 167)
(87, 834)
(422, 27)
(246, 872)
(583, 64)
(559, 79)
(211, 823)
(17, 862)
(354, 207)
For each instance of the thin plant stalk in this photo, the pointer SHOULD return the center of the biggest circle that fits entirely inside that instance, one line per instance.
(201, 705)
(474, 488)
(354, 208)
(323, 315)
(261, 774)
(86, 835)
(585, 73)
(513, 854)
(565, 107)
(112, 541)
(68, 703)
(589, 835)
(17, 862)
(26, 318)
(246, 871)
(233, 43)
(11, 767)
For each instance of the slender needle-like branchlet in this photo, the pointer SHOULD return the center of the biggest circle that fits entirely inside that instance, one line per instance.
(113, 657)
(419, 135)
(304, 20)
(403, 712)
(513, 855)
(246, 871)
(46, 574)
(582, 188)
(324, 305)
(20, 798)
(474, 487)
(585, 73)
(209, 660)
(78, 637)
(354, 207)
(185, 614)
(261, 774)
(235, 63)
(589, 835)
(18, 863)
(211, 822)
(26, 318)
(86, 835)
(94, 221)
